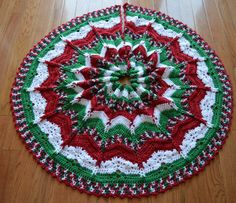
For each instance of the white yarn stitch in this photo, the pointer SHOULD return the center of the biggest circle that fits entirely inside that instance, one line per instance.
(39, 105)
(191, 137)
(41, 75)
(110, 166)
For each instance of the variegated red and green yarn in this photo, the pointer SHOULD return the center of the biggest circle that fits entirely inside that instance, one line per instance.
(105, 138)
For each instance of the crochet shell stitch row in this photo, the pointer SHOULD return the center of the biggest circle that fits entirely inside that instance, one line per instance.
(135, 138)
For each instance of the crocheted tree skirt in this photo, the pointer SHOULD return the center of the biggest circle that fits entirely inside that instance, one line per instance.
(123, 101)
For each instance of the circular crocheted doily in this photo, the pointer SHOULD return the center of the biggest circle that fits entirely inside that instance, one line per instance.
(123, 101)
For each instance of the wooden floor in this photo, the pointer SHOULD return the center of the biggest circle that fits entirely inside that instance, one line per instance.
(24, 22)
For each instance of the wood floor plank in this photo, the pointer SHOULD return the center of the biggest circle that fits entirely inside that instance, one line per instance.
(231, 9)
(160, 5)
(145, 4)
(221, 43)
(223, 47)
(228, 19)
(186, 13)
(201, 21)
(9, 139)
(25, 22)
(173, 9)
(7, 169)
(8, 51)
(69, 10)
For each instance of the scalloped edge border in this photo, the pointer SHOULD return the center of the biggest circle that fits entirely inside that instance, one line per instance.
(53, 174)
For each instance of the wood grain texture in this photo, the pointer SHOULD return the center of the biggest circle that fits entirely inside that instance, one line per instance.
(25, 22)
